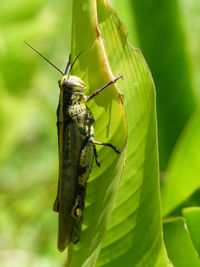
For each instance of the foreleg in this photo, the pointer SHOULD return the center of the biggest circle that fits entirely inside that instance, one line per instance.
(102, 88)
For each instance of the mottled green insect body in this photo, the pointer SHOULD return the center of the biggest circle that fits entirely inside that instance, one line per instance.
(76, 153)
(75, 125)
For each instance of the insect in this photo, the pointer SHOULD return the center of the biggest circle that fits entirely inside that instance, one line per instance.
(77, 150)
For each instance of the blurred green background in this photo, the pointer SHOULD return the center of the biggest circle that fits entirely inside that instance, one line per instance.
(167, 32)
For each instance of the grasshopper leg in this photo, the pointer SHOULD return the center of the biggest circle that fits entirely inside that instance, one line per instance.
(105, 144)
(96, 156)
(102, 88)
(85, 165)
(56, 202)
(91, 140)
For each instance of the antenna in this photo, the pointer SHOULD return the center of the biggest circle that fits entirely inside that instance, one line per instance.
(68, 65)
(46, 58)
(74, 61)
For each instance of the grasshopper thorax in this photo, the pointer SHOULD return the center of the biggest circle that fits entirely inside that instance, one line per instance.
(71, 83)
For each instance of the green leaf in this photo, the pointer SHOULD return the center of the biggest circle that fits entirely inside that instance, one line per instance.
(111, 127)
(135, 232)
(161, 37)
(192, 201)
(182, 178)
(179, 245)
(192, 217)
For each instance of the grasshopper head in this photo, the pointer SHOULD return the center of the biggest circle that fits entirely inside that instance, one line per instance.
(71, 83)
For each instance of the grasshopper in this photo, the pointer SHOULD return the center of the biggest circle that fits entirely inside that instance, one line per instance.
(77, 151)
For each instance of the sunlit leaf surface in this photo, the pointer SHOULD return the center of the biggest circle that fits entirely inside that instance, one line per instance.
(134, 237)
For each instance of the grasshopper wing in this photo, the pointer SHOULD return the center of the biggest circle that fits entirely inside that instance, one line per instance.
(69, 155)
